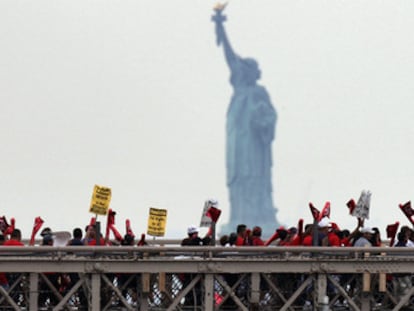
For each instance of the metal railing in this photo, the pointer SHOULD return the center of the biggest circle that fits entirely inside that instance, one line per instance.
(206, 278)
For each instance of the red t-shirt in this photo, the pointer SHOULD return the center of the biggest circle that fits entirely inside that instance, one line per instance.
(240, 241)
(93, 242)
(333, 239)
(3, 278)
(256, 241)
(307, 241)
(13, 243)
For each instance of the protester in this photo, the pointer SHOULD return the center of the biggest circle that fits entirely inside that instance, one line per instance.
(402, 282)
(91, 235)
(15, 239)
(194, 297)
(193, 239)
(407, 232)
(3, 278)
(74, 277)
(308, 235)
(256, 239)
(365, 238)
(241, 235)
(376, 237)
(77, 238)
(46, 296)
(323, 230)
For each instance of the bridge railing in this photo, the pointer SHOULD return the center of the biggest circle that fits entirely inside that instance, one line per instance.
(206, 278)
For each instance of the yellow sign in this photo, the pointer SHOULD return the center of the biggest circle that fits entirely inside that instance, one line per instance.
(157, 221)
(101, 198)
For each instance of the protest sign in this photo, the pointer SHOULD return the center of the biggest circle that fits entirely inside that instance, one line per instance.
(157, 221)
(101, 197)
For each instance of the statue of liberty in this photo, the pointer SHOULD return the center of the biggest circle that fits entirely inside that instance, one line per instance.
(250, 130)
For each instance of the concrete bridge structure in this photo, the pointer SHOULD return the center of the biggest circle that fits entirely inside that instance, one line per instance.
(209, 278)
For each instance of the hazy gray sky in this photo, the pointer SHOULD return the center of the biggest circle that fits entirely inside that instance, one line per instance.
(133, 95)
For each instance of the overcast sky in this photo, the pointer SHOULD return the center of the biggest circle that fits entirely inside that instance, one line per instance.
(133, 95)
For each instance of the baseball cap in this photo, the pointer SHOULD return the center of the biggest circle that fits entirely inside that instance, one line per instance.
(367, 230)
(192, 229)
(324, 222)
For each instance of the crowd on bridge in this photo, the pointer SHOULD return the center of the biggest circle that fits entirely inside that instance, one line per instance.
(321, 232)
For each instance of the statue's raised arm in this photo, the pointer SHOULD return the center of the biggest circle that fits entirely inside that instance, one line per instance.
(219, 18)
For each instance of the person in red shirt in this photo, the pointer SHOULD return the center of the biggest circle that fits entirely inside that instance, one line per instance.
(15, 239)
(241, 235)
(333, 236)
(307, 235)
(90, 237)
(256, 236)
(3, 278)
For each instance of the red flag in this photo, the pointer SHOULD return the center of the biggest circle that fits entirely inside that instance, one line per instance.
(274, 237)
(407, 210)
(142, 241)
(392, 231)
(92, 222)
(10, 228)
(116, 233)
(110, 221)
(351, 205)
(3, 224)
(214, 213)
(315, 212)
(297, 239)
(128, 228)
(300, 227)
(326, 211)
(38, 222)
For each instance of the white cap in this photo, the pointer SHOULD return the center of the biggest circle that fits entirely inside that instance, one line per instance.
(213, 202)
(192, 229)
(324, 222)
(367, 230)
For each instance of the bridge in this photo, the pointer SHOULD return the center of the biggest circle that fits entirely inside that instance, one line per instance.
(208, 278)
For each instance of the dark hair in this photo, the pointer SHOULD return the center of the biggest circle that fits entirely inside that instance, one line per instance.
(224, 240)
(46, 231)
(241, 228)
(257, 231)
(47, 239)
(77, 233)
(401, 236)
(232, 238)
(16, 234)
(127, 240)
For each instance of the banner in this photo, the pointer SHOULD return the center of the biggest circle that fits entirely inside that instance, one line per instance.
(361, 209)
(157, 221)
(205, 220)
(101, 197)
(206, 217)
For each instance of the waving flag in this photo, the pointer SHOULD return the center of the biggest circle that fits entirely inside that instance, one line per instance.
(128, 228)
(38, 222)
(408, 211)
(392, 231)
(326, 211)
(351, 205)
(315, 212)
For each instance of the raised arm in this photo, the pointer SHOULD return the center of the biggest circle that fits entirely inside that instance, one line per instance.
(219, 18)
